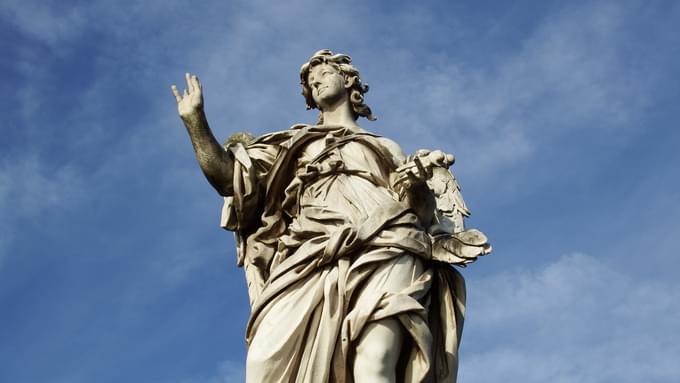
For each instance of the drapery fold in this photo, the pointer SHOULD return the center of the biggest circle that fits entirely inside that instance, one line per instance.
(328, 248)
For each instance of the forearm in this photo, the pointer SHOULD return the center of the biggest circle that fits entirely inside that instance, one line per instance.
(215, 162)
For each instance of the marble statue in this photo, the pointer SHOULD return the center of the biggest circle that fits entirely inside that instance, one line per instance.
(347, 243)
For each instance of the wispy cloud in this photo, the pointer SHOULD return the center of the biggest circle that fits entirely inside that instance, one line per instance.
(576, 319)
(227, 372)
(29, 186)
(50, 24)
(30, 189)
(94, 105)
(571, 73)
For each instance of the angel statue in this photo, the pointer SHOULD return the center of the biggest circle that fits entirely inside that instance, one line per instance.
(347, 244)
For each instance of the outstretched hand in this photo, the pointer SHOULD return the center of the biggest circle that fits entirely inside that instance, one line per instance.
(191, 102)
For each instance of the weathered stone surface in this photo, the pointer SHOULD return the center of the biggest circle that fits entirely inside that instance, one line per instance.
(346, 242)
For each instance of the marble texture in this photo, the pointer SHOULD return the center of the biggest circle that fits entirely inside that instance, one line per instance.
(346, 242)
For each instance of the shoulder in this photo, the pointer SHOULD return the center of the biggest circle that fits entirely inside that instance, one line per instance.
(387, 146)
(393, 148)
(276, 138)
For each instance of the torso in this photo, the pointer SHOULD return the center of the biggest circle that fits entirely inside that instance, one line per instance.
(352, 183)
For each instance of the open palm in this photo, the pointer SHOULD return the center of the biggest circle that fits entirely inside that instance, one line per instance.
(191, 101)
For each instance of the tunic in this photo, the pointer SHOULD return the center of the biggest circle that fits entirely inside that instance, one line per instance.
(327, 248)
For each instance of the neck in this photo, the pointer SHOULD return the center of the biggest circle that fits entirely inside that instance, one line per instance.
(339, 114)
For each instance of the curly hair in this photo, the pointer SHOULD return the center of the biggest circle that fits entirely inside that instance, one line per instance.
(343, 63)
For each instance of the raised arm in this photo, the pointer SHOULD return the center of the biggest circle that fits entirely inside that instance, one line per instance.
(216, 163)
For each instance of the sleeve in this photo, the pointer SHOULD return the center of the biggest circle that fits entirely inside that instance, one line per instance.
(251, 166)
(243, 210)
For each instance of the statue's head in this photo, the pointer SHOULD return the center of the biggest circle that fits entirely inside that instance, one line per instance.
(352, 80)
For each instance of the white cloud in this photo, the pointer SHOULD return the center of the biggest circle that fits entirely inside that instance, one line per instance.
(570, 73)
(51, 25)
(580, 319)
(30, 189)
(493, 115)
(574, 320)
(227, 372)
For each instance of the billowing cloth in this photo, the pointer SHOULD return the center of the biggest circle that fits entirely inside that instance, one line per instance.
(328, 248)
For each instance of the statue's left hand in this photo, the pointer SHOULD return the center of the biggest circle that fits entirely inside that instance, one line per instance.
(419, 169)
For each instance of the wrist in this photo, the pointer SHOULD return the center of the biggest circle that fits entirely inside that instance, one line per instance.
(193, 116)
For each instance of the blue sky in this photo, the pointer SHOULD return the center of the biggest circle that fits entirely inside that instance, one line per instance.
(563, 117)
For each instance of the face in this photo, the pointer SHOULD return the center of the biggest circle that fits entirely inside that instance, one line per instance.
(327, 85)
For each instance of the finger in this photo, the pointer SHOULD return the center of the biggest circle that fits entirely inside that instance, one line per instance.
(438, 157)
(189, 84)
(401, 192)
(404, 190)
(442, 160)
(402, 186)
(421, 168)
(406, 166)
(186, 93)
(405, 178)
(196, 84)
(175, 92)
(402, 177)
(426, 168)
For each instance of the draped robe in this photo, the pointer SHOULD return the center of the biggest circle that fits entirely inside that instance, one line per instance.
(328, 248)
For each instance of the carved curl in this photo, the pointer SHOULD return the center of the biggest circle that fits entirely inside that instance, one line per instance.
(343, 63)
